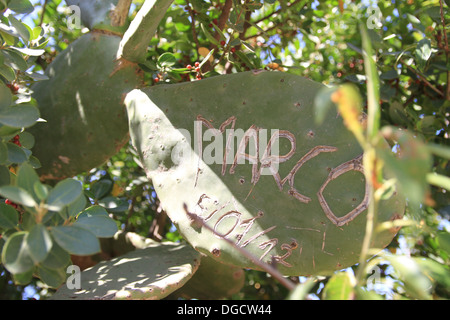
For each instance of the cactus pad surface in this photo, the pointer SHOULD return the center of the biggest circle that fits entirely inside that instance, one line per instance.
(82, 103)
(302, 206)
(148, 273)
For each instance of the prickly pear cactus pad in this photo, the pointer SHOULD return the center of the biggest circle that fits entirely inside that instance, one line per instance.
(147, 273)
(213, 280)
(244, 154)
(82, 103)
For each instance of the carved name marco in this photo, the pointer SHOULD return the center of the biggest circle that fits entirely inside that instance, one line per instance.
(270, 161)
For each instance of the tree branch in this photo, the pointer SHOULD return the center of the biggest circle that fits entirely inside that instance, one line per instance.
(224, 17)
(277, 11)
(194, 33)
(439, 92)
(120, 13)
(446, 49)
(44, 7)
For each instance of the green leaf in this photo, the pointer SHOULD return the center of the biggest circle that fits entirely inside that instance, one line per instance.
(100, 226)
(438, 180)
(36, 32)
(5, 176)
(323, 103)
(114, 205)
(17, 195)
(167, 59)
(54, 278)
(21, 6)
(410, 165)
(39, 242)
(29, 52)
(27, 178)
(248, 46)
(373, 87)
(3, 152)
(210, 36)
(6, 131)
(20, 27)
(76, 240)
(19, 116)
(94, 211)
(14, 59)
(5, 95)
(22, 279)
(416, 283)
(37, 76)
(340, 287)
(444, 241)
(57, 257)
(301, 291)
(7, 72)
(77, 206)
(8, 33)
(437, 272)
(16, 255)
(423, 52)
(9, 218)
(101, 187)
(17, 154)
(439, 150)
(40, 190)
(206, 58)
(64, 193)
(26, 140)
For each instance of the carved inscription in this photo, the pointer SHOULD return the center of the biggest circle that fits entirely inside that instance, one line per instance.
(206, 213)
(271, 162)
(229, 222)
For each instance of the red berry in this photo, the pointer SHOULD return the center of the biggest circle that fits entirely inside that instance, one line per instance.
(189, 67)
(156, 80)
(16, 140)
(14, 87)
(197, 69)
(233, 50)
(12, 204)
(197, 64)
(222, 43)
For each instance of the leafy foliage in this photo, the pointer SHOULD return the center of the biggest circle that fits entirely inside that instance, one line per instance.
(403, 85)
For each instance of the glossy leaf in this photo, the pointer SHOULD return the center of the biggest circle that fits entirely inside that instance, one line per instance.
(18, 195)
(54, 278)
(19, 116)
(17, 154)
(100, 226)
(27, 179)
(57, 258)
(21, 6)
(340, 287)
(416, 283)
(16, 255)
(9, 218)
(64, 193)
(76, 240)
(5, 96)
(39, 242)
